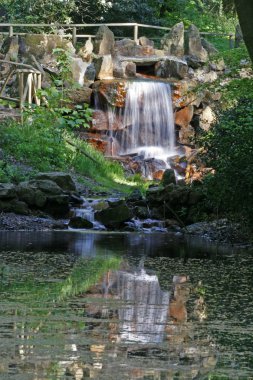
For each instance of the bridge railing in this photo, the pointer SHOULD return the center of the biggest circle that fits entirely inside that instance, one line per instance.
(29, 82)
(76, 31)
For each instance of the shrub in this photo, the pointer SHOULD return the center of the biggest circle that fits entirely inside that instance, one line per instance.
(229, 147)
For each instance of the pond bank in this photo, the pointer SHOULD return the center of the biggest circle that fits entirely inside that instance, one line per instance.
(222, 230)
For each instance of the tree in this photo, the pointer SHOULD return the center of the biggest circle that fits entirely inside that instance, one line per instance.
(244, 10)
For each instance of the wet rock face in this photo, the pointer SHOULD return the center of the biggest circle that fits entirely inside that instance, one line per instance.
(114, 216)
(79, 222)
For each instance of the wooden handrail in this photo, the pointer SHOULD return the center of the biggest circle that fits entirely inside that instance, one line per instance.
(29, 82)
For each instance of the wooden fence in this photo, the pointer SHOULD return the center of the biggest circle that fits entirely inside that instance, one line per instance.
(71, 30)
(29, 82)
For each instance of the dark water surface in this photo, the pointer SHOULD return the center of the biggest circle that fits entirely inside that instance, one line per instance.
(164, 308)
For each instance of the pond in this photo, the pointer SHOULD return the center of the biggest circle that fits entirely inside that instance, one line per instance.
(123, 306)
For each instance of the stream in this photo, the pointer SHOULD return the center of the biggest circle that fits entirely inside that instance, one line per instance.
(101, 305)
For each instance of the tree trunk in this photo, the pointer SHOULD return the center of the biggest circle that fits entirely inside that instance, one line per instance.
(244, 10)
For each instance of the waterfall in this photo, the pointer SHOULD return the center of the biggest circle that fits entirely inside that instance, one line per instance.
(148, 120)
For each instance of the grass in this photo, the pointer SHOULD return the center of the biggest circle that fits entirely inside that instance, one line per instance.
(43, 145)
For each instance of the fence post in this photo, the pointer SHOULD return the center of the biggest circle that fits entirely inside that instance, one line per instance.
(21, 89)
(74, 39)
(136, 33)
(231, 41)
(11, 31)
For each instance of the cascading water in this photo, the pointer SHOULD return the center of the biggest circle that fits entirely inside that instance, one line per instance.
(148, 120)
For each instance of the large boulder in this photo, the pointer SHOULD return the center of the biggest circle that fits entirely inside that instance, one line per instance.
(195, 48)
(78, 68)
(42, 45)
(86, 51)
(114, 216)
(184, 116)
(173, 42)
(10, 48)
(104, 67)
(31, 195)
(207, 118)
(7, 191)
(79, 95)
(63, 180)
(104, 41)
(79, 222)
(171, 67)
(144, 41)
(125, 47)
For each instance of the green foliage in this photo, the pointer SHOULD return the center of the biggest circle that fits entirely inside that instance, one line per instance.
(230, 152)
(37, 11)
(12, 173)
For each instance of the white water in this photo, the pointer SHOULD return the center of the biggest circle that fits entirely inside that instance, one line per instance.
(148, 120)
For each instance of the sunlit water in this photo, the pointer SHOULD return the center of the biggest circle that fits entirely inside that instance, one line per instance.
(174, 309)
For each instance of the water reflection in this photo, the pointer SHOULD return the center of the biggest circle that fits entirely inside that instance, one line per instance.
(170, 312)
(91, 244)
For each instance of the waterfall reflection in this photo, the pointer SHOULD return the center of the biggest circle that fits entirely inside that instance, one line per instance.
(145, 311)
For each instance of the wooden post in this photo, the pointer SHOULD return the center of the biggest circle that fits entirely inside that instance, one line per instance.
(38, 85)
(74, 39)
(136, 33)
(10, 31)
(231, 41)
(29, 85)
(21, 89)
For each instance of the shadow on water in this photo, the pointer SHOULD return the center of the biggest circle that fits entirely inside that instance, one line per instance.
(123, 306)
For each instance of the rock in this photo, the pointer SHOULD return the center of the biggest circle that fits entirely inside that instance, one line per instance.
(168, 177)
(42, 45)
(79, 95)
(218, 65)
(130, 70)
(47, 186)
(29, 194)
(63, 180)
(208, 46)
(78, 222)
(123, 69)
(144, 41)
(186, 134)
(114, 217)
(16, 206)
(104, 67)
(10, 48)
(104, 41)
(135, 196)
(90, 73)
(78, 68)
(172, 67)
(205, 77)
(207, 118)
(195, 47)
(173, 42)
(57, 205)
(184, 116)
(125, 47)
(86, 52)
(7, 191)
